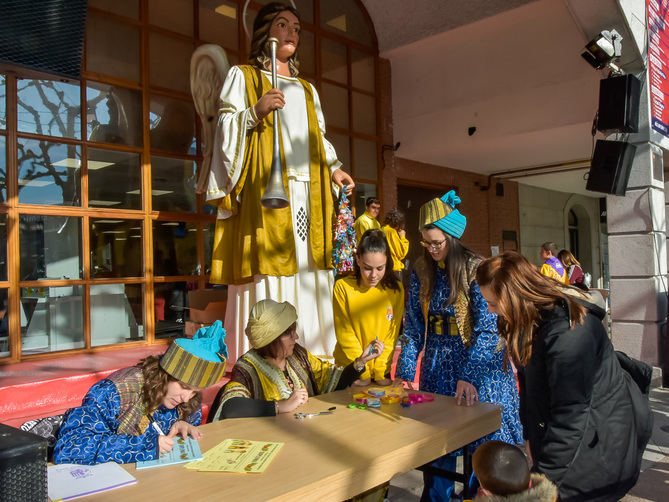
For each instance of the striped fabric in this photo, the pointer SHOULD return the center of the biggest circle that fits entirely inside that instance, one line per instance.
(129, 382)
(191, 369)
(432, 211)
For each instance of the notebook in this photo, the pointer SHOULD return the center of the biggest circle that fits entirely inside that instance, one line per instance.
(71, 481)
(184, 450)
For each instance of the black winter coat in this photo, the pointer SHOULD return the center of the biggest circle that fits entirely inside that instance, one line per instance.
(586, 419)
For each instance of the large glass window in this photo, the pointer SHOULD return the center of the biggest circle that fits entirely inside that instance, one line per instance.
(50, 247)
(50, 108)
(49, 173)
(173, 184)
(112, 47)
(116, 248)
(172, 123)
(3, 169)
(3, 100)
(170, 303)
(102, 199)
(51, 319)
(114, 179)
(4, 324)
(175, 248)
(117, 313)
(113, 114)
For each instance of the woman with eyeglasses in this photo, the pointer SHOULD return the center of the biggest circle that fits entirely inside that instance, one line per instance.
(447, 316)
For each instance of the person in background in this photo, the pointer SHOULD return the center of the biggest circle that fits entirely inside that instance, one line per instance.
(123, 417)
(367, 220)
(448, 320)
(552, 266)
(369, 306)
(585, 418)
(394, 228)
(277, 375)
(573, 267)
(504, 475)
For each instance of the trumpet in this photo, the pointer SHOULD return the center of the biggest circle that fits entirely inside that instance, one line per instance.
(275, 196)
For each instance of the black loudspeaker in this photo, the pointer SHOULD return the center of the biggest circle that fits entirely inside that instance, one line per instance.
(619, 104)
(22, 466)
(610, 167)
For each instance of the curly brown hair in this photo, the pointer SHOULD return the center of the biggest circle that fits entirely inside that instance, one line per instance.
(395, 218)
(155, 388)
(259, 54)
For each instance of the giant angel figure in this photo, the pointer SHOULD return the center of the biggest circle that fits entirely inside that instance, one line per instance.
(282, 254)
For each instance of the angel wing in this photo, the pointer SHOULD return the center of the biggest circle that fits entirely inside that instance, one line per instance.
(208, 68)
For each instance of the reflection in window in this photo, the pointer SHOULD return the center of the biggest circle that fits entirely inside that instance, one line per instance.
(364, 113)
(362, 191)
(218, 23)
(114, 179)
(128, 8)
(346, 18)
(3, 254)
(306, 53)
(3, 170)
(208, 246)
(49, 107)
(362, 70)
(113, 114)
(170, 304)
(117, 313)
(174, 248)
(365, 159)
(49, 173)
(52, 319)
(169, 62)
(172, 125)
(3, 101)
(4, 324)
(173, 184)
(341, 146)
(334, 100)
(116, 248)
(50, 247)
(112, 47)
(334, 60)
(175, 15)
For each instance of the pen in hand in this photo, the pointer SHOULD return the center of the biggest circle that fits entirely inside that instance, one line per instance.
(155, 425)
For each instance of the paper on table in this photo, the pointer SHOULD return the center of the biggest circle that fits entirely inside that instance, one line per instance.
(238, 455)
(70, 481)
(184, 450)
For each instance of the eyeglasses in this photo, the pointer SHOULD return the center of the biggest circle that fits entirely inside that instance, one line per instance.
(434, 245)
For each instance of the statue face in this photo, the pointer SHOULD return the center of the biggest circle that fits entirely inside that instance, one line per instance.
(286, 29)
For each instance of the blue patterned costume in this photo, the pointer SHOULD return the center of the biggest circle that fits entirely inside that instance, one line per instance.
(446, 360)
(89, 433)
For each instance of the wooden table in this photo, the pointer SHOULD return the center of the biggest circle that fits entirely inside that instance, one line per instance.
(325, 458)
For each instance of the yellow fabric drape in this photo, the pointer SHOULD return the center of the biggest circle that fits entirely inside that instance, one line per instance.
(399, 247)
(257, 240)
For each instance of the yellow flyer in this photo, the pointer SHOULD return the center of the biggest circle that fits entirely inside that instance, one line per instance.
(238, 455)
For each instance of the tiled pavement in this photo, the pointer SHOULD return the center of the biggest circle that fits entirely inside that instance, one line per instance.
(653, 484)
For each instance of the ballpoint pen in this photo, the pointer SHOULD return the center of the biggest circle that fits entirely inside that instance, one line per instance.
(155, 425)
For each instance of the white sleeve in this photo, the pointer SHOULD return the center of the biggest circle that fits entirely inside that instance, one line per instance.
(330, 155)
(234, 119)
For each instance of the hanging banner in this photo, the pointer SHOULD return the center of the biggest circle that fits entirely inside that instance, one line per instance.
(658, 63)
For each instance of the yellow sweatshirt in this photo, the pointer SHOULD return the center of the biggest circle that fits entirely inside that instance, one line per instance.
(360, 315)
(364, 222)
(399, 246)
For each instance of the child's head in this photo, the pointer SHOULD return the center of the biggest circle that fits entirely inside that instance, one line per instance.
(501, 468)
(373, 262)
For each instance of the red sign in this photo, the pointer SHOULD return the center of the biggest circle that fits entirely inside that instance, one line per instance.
(658, 63)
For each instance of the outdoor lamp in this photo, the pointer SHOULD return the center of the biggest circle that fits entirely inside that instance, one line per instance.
(603, 49)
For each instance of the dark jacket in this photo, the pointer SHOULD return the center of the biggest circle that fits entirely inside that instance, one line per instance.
(585, 417)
